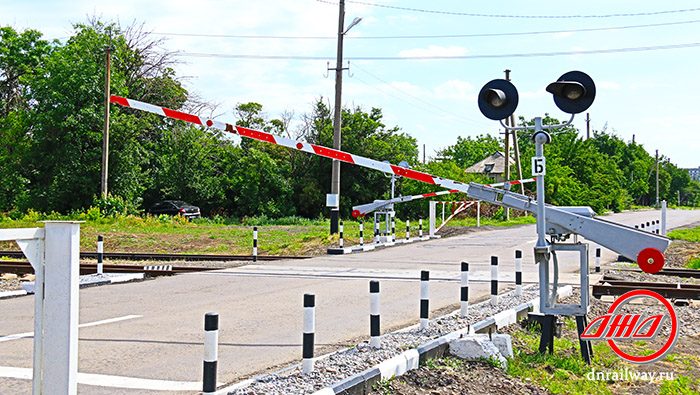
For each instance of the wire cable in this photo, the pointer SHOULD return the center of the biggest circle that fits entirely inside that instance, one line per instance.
(413, 37)
(418, 99)
(445, 57)
(514, 16)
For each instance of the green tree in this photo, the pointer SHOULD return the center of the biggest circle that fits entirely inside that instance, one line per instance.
(467, 151)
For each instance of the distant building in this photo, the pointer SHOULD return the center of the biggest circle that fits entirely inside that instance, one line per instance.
(694, 174)
(492, 166)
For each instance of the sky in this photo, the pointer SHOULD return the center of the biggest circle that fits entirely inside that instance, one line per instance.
(644, 88)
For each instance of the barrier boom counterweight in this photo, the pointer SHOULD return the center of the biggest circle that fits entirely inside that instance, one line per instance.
(638, 245)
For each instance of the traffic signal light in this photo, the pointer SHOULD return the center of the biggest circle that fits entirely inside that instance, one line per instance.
(573, 92)
(498, 99)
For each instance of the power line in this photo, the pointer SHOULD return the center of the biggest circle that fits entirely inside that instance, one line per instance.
(466, 35)
(446, 57)
(423, 102)
(454, 13)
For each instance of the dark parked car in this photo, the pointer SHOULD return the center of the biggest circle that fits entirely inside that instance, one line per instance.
(175, 207)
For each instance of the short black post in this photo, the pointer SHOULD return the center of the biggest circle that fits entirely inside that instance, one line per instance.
(464, 290)
(211, 342)
(424, 298)
(642, 226)
(375, 339)
(362, 228)
(307, 365)
(597, 260)
(341, 244)
(393, 229)
(494, 280)
(255, 243)
(408, 230)
(518, 273)
(100, 254)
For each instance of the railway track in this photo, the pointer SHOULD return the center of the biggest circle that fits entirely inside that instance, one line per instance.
(671, 271)
(140, 256)
(23, 267)
(613, 287)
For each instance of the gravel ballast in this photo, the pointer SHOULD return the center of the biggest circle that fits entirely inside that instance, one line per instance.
(345, 363)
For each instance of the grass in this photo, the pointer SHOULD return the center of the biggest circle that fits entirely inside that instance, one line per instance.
(680, 385)
(694, 263)
(164, 234)
(486, 221)
(691, 235)
(564, 371)
(688, 234)
(384, 386)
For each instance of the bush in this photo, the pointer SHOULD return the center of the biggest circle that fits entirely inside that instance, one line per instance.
(113, 206)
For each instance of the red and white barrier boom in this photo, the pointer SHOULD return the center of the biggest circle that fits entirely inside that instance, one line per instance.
(646, 248)
(364, 209)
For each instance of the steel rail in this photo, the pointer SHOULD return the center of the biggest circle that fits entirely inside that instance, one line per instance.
(142, 256)
(23, 267)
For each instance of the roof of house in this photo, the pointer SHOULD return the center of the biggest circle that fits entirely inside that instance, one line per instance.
(490, 165)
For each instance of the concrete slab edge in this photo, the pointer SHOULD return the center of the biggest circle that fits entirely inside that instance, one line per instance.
(372, 246)
(12, 294)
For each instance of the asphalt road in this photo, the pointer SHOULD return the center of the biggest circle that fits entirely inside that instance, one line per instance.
(155, 340)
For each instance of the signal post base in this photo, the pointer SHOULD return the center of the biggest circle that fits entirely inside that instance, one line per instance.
(548, 326)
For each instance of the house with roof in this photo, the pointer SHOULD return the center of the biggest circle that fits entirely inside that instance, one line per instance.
(492, 166)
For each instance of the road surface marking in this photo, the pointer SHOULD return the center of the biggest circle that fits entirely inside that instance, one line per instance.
(105, 380)
(85, 325)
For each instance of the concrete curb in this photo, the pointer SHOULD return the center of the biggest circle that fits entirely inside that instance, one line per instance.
(12, 294)
(371, 245)
(361, 383)
(106, 279)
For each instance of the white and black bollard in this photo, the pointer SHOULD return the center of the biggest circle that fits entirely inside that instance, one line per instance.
(642, 226)
(518, 273)
(362, 228)
(341, 244)
(408, 230)
(211, 354)
(100, 254)
(307, 364)
(597, 260)
(393, 229)
(464, 291)
(376, 231)
(255, 243)
(494, 280)
(375, 338)
(420, 227)
(424, 298)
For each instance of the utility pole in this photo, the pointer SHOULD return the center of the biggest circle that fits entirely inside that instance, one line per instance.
(588, 126)
(657, 179)
(423, 153)
(337, 119)
(506, 159)
(105, 134)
